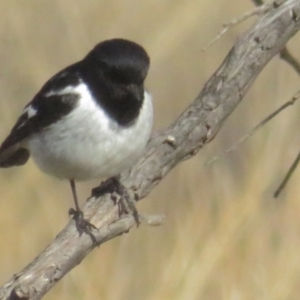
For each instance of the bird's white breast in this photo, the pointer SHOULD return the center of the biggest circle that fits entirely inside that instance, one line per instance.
(88, 144)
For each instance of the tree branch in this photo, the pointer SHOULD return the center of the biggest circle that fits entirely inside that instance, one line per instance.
(288, 58)
(196, 126)
(284, 53)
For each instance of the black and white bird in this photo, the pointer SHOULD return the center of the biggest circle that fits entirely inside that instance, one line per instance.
(91, 120)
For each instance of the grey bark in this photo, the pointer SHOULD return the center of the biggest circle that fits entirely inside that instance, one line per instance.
(196, 127)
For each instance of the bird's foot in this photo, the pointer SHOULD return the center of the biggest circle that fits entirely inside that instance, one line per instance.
(106, 187)
(125, 204)
(83, 225)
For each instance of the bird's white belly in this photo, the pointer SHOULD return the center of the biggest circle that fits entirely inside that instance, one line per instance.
(87, 144)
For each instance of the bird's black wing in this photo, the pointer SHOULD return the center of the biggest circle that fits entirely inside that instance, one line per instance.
(47, 107)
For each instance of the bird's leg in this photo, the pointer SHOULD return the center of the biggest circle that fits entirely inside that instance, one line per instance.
(82, 224)
(112, 185)
(73, 188)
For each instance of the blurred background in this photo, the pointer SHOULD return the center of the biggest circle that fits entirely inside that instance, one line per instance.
(225, 236)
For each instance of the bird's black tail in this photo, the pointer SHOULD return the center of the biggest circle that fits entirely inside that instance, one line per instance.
(13, 156)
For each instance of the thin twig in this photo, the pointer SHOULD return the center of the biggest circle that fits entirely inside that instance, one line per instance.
(258, 2)
(226, 26)
(287, 57)
(287, 176)
(251, 132)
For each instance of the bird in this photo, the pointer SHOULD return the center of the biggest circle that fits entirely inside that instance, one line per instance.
(92, 119)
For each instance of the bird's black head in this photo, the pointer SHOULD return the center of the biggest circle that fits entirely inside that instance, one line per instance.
(115, 71)
(123, 61)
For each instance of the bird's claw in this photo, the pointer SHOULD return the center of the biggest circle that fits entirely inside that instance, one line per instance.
(83, 225)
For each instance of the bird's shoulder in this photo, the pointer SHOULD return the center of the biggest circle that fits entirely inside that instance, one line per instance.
(55, 100)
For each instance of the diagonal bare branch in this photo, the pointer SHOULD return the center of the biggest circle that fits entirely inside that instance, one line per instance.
(196, 127)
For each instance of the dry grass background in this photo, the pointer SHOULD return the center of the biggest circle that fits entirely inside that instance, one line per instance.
(225, 237)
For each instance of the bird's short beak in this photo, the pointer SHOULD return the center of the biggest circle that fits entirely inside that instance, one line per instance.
(136, 91)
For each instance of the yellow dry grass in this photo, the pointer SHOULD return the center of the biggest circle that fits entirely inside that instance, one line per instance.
(225, 237)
